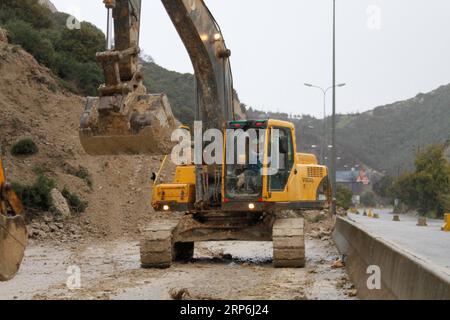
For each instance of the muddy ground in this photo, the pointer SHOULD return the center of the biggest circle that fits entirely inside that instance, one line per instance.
(220, 270)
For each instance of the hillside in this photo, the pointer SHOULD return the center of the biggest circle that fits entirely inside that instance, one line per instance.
(385, 138)
(389, 136)
(180, 88)
(34, 105)
(41, 31)
(49, 5)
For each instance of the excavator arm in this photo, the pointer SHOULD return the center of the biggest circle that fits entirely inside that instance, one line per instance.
(209, 55)
(124, 119)
(13, 232)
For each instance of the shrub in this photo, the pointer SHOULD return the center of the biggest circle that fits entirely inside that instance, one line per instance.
(344, 197)
(82, 173)
(33, 41)
(36, 196)
(75, 203)
(384, 187)
(24, 147)
(368, 199)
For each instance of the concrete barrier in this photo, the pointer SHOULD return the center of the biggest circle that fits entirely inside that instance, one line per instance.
(403, 276)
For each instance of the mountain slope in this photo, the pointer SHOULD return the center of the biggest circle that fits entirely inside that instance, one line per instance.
(48, 4)
(33, 105)
(387, 137)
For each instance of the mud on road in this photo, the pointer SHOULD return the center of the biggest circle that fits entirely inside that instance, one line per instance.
(220, 270)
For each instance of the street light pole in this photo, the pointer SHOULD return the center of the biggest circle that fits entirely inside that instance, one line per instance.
(324, 134)
(333, 118)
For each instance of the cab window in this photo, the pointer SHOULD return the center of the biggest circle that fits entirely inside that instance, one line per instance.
(278, 179)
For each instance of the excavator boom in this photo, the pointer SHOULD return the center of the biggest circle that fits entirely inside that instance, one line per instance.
(13, 232)
(209, 55)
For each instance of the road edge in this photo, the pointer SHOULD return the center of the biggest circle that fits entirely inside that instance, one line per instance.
(403, 276)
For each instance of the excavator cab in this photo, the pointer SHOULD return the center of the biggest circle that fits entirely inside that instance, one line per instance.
(13, 231)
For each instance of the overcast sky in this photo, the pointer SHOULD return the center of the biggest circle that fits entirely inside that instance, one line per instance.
(387, 50)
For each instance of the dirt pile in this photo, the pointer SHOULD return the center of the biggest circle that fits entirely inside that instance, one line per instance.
(33, 104)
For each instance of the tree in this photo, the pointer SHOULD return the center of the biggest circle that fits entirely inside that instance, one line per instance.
(428, 188)
(32, 40)
(344, 197)
(81, 44)
(384, 187)
(25, 10)
(368, 199)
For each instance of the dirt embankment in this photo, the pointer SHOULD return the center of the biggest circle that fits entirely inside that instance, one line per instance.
(34, 105)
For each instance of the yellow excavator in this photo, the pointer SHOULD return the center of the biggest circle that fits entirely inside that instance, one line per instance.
(233, 199)
(13, 231)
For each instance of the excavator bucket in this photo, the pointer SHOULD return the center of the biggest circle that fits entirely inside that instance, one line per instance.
(145, 129)
(124, 119)
(13, 240)
(13, 230)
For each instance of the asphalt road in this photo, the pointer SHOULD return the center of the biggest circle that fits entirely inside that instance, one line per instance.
(427, 243)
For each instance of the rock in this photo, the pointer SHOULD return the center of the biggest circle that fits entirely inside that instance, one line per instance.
(3, 36)
(422, 222)
(44, 228)
(353, 293)
(60, 203)
(339, 264)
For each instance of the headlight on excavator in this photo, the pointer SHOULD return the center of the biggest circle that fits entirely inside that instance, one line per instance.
(251, 206)
(166, 207)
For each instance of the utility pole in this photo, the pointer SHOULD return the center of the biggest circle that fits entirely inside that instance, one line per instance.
(333, 118)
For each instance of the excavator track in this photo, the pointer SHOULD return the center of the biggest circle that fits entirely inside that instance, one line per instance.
(289, 243)
(158, 249)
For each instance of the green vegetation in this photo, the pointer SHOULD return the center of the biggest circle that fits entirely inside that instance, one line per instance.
(70, 54)
(24, 147)
(384, 188)
(76, 205)
(427, 189)
(36, 196)
(82, 173)
(368, 199)
(180, 88)
(344, 197)
(385, 139)
(316, 218)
